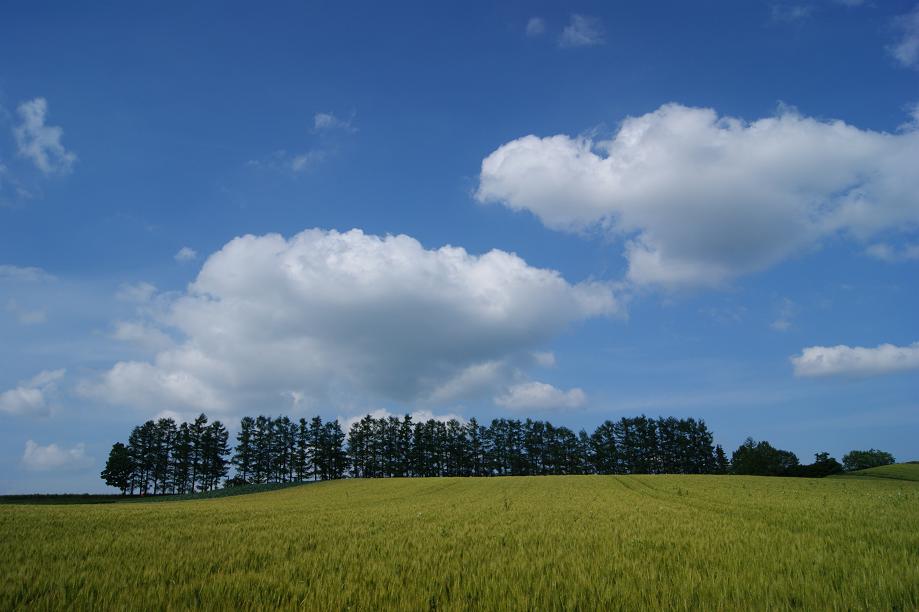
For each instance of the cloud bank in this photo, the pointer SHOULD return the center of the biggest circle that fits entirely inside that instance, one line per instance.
(856, 361)
(699, 200)
(349, 315)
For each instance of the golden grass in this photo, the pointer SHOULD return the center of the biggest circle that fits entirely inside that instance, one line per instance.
(536, 543)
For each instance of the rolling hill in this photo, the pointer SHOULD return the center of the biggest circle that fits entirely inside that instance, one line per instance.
(555, 542)
(897, 471)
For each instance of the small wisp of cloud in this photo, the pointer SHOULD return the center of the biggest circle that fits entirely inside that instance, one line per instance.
(24, 315)
(790, 13)
(186, 254)
(39, 142)
(24, 274)
(536, 26)
(906, 49)
(324, 122)
(892, 254)
(787, 311)
(582, 31)
(138, 293)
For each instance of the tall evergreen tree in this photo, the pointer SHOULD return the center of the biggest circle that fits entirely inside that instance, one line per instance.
(316, 436)
(722, 465)
(243, 458)
(302, 461)
(196, 431)
(182, 460)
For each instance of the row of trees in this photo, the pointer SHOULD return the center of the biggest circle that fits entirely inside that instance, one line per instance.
(762, 459)
(388, 447)
(163, 457)
(282, 450)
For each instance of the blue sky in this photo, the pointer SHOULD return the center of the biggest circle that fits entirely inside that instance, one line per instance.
(705, 209)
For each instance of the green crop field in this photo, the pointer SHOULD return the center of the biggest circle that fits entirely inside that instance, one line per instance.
(537, 543)
(899, 471)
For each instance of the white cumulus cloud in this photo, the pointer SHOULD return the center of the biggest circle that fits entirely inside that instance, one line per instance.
(327, 313)
(540, 396)
(53, 457)
(39, 142)
(31, 396)
(699, 199)
(856, 361)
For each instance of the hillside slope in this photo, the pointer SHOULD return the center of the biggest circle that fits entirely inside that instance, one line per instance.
(77, 498)
(897, 471)
(557, 542)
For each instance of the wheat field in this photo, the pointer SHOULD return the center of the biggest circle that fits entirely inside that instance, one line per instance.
(522, 543)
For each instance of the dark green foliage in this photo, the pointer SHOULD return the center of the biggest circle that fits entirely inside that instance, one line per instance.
(823, 466)
(390, 447)
(722, 464)
(761, 459)
(168, 459)
(243, 458)
(64, 499)
(118, 468)
(192, 457)
(280, 450)
(862, 460)
(302, 454)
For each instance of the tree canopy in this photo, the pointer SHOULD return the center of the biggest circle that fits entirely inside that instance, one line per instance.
(864, 459)
(165, 457)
